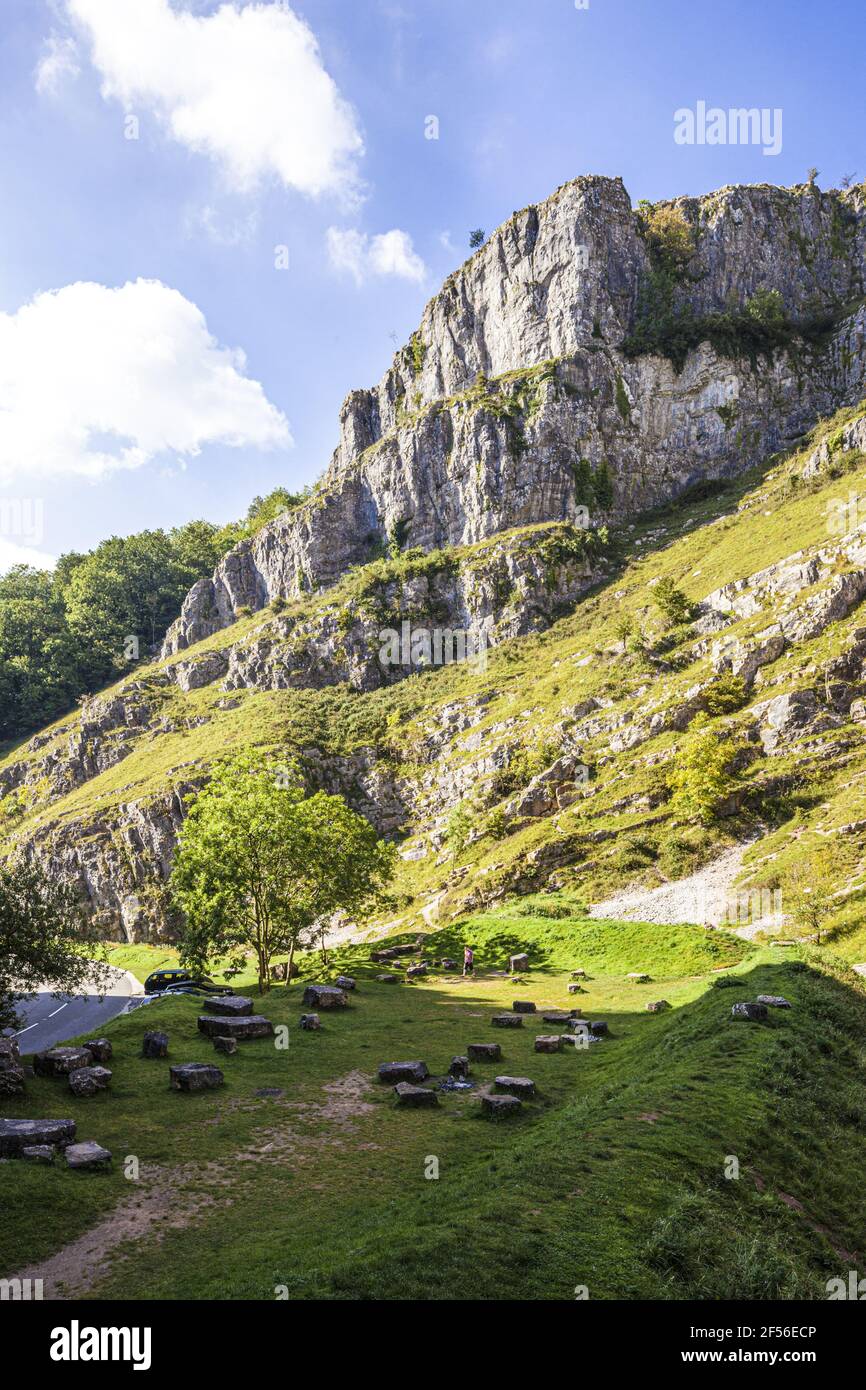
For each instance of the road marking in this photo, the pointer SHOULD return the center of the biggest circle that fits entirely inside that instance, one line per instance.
(57, 1011)
(26, 1030)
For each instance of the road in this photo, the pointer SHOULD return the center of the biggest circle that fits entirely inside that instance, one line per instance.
(48, 1019)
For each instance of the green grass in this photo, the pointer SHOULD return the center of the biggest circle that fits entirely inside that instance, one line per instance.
(613, 1178)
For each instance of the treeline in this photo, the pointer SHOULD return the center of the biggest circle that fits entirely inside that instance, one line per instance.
(68, 633)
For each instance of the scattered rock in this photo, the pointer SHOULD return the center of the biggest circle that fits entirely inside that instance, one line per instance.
(12, 1079)
(403, 1071)
(195, 1076)
(575, 988)
(518, 963)
(519, 1086)
(310, 1022)
(86, 1081)
(325, 997)
(578, 974)
(231, 1006)
(60, 1061)
(415, 970)
(507, 1021)
(657, 1006)
(523, 1006)
(500, 1107)
(581, 1039)
(388, 979)
(100, 1049)
(88, 1156)
(415, 1095)
(345, 982)
(753, 1013)
(561, 1016)
(598, 1029)
(16, 1135)
(254, 1026)
(154, 1045)
(638, 977)
(459, 1067)
(484, 1052)
(549, 1043)
(227, 1046)
(774, 1001)
(39, 1153)
(269, 1093)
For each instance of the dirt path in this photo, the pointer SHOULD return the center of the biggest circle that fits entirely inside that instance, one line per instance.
(704, 897)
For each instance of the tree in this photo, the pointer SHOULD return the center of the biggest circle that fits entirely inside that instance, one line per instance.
(624, 629)
(701, 780)
(260, 866)
(477, 238)
(672, 602)
(45, 938)
(808, 892)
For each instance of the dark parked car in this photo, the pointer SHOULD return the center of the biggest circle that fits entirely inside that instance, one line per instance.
(181, 982)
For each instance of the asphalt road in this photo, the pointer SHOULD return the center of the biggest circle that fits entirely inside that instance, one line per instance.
(48, 1019)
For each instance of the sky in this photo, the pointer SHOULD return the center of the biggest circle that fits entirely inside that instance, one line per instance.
(217, 219)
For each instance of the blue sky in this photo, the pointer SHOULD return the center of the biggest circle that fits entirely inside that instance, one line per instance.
(118, 409)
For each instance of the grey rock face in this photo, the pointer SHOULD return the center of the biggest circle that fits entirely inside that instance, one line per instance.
(500, 1107)
(751, 1013)
(100, 1049)
(16, 1135)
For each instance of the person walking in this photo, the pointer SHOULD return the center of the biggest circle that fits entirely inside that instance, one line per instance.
(468, 961)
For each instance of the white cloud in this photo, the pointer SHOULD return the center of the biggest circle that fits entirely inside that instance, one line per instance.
(59, 60)
(94, 379)
(390, 253)
(11, 553)
(245, 86)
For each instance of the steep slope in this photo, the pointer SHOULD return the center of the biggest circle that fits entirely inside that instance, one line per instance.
(514, 509)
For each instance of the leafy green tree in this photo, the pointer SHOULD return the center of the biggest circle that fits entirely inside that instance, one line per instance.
(261, 867)
(458, 828)
(41, 666)
(808, 891)
(701, 777)
(477, 237)
(45, 939)
(672, 603)
(726, 694)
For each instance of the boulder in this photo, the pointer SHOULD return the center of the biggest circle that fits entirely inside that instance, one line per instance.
(560, 1016)
(403, 1071)
(484, 1052)
(195, 1076)
(500, 1107)
(388, 979)
(231, 1006)
(507, 1020)
(345, 982)
(638, 977)
(310, 1022)
(774, 1001)
(86, 1081)
(60, 1061)
(598, 1029)
(518, 963)
(574, 988)
(548, 1043)
(581, 1039)
(752, 1013)
(227, 1046)
(403, 950)
(325, 997)
(39, 1153)
(10, 1052)
(657, 1006)
(519, 1086)
(280, 971)
(100, 1049)
(448, 964)
(578, 974)
(414, 1095)
(459, 1068)
(415, 970)
(523, 1006)
(254, 1026)
(16, 1135)
(154, 1045)
(88, 1156)
(12, 1079)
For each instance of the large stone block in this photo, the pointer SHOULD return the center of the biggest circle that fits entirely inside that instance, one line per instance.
(60, 1061)
(231, 1006)
(752, 1013)
(245, 1028)
(16, 1135)
(325, 997)
(154, 1045)
(500, 1107)
(523, 1006)
(415, 1096)
(548, 1043)
(507, 1021)
(88, 1156)
(100, 1050)
(484, 1052)
(518, 963)
(403, 1071)
(86, 1081)
(195, 1076)
(519, 1086)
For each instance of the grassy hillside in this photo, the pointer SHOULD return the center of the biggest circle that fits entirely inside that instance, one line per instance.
(613, 1178)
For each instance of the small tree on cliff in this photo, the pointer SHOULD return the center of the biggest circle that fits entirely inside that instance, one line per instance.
(45, 938)
(701, 779)
(259, 865)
